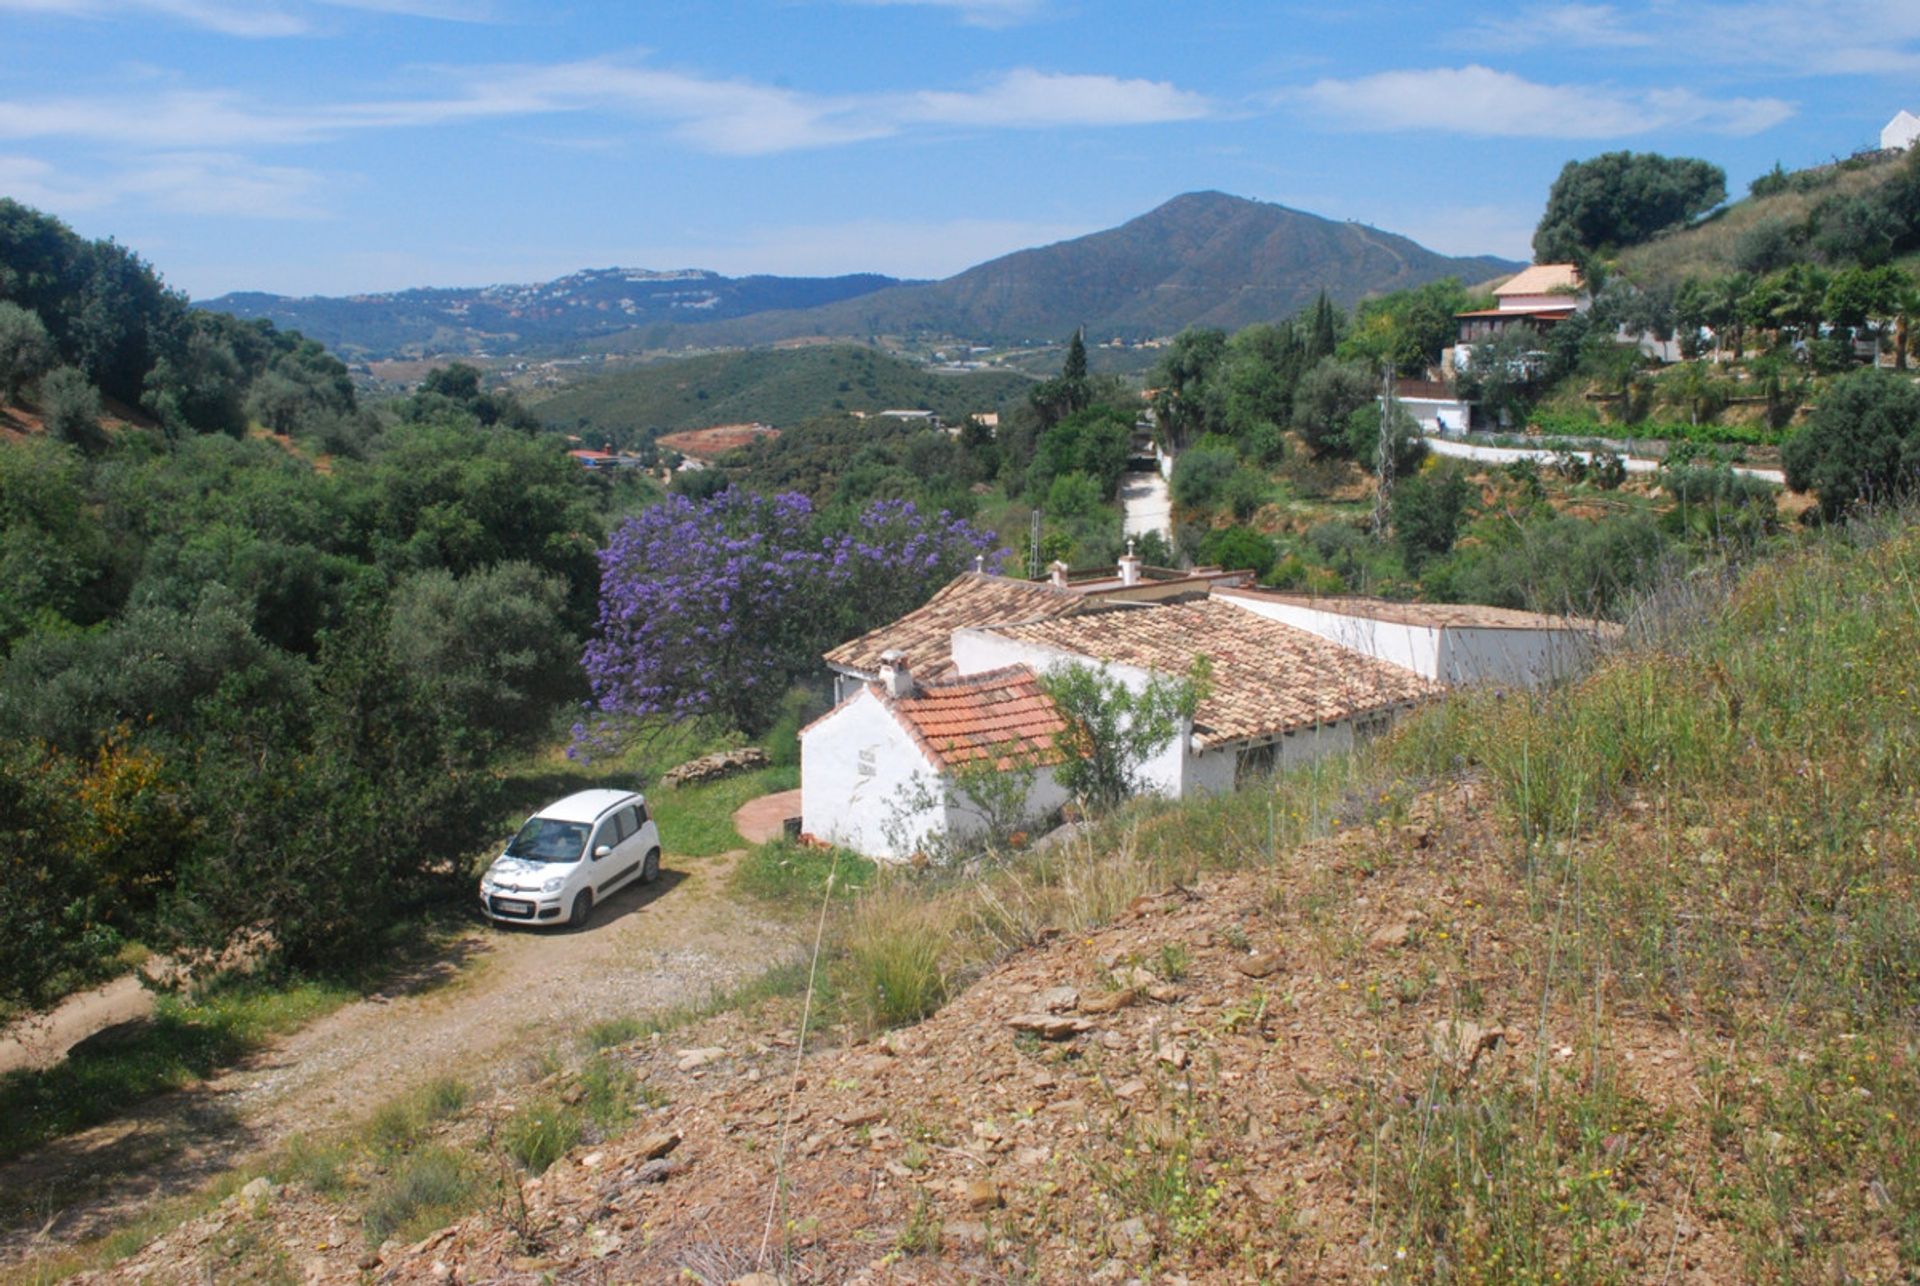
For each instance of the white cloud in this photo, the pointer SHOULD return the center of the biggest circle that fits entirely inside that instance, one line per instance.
(252, 19)
(978, 13)
(1582, 26)
(1028, 99)
(169, 120)
(201, 183)
(723, 116)
(1835, 37)
(1481, 101)
(232, 19)
(441, 10)
(220, 184)
(32, 181)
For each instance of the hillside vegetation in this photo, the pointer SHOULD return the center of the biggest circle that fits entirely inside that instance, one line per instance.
(1612, 983)
(773, 386)
(1728, 241)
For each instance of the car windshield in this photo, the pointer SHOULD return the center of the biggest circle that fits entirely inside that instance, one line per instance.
(544, 840)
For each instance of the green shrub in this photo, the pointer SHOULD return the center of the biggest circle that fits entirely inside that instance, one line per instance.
(614, 1031)
(541, 1133)
(1862, 442)
(794, 874)
(1237, 548)
(320, 1167)
(1428, 509)
(607, 1092)
(892, 973)
(398, 1125)
(802, 704)
(427, 1190)
(1200, 476)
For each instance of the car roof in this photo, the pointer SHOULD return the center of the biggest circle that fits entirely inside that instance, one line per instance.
(587, 805)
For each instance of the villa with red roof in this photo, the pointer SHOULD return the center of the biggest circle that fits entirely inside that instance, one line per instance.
(958, 684)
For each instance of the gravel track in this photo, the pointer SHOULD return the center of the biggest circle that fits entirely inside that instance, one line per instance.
(484, 1011)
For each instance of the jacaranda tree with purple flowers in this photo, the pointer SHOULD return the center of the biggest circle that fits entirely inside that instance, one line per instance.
(711, 609)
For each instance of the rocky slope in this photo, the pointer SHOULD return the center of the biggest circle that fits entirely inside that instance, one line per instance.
(1235, 1081)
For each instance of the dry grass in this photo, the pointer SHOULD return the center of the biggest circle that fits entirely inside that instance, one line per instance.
(1708, 249)
(1716, 834)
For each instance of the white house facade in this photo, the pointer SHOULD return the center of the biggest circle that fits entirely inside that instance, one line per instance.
(1447, 643)
(1900, 132)
(879, 773)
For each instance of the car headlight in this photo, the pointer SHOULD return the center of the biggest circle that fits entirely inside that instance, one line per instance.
(554, 885)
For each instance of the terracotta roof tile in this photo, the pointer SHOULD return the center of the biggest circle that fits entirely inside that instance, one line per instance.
(969, 600)
(1001, 714)
(1268, 678)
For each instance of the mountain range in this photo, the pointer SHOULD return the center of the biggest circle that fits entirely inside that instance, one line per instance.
(556, 314)
(1205, 258)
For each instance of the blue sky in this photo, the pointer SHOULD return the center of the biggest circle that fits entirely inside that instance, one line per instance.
(338, 146)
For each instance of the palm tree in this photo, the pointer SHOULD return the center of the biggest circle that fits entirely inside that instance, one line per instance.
(1726, 306)
(1905, 307)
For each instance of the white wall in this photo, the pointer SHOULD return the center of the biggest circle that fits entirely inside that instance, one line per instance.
(1411, 647)
(1522, 658)
(1311, 743)
(1044, 798)
(1166, 773)
(857, 768)
(1452, 654)
(1900, 132)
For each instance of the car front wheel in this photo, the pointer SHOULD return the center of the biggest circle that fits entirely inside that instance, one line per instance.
(650, 869)
(582, 911)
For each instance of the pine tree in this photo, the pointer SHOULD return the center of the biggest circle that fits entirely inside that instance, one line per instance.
(1322, 332)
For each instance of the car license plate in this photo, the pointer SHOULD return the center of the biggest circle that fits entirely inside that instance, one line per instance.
(508, 906)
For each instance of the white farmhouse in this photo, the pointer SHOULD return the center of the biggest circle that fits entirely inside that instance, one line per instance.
(1276, 695)
(1900, 132)
(1290, 678)
(876, 771)
(1449, 643)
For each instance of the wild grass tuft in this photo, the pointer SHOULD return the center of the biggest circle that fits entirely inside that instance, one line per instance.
(426, 1190)
(399, 1125)
(794, 875)
(541, 1133)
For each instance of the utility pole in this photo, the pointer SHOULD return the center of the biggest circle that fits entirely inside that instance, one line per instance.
(1033, 548)
(1383, 457)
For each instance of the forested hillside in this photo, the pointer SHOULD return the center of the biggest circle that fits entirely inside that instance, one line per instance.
(773, 386)
(258, 645)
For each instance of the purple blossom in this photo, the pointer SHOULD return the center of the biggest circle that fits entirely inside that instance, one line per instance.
(713, 609)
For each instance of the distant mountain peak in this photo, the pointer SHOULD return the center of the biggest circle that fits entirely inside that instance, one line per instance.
(1205, 258)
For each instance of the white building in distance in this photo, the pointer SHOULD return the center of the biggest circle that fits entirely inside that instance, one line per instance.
(1900, 132)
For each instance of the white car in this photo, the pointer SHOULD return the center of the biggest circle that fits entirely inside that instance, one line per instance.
(570, 855)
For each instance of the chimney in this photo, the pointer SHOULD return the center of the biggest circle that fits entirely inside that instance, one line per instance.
(894, 675)
(979, 564)
(1057, 573)
(1130, 566)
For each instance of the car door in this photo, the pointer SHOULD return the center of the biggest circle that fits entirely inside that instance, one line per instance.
(618, 831)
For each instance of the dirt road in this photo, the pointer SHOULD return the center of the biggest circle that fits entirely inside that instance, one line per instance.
(485, 1012)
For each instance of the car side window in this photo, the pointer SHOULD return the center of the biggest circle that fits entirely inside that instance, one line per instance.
(641, 816)
(606, 836)
(624, 820)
